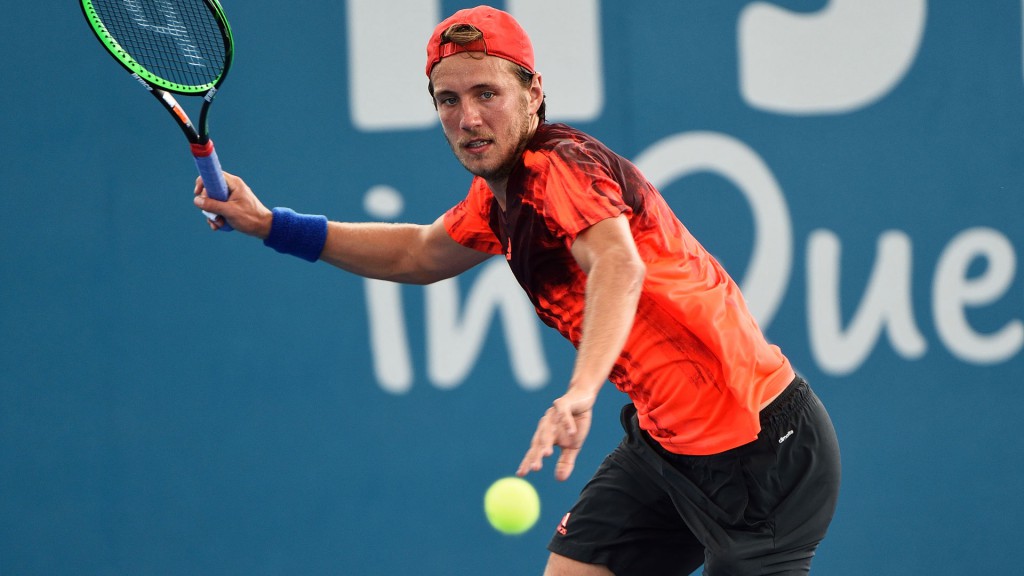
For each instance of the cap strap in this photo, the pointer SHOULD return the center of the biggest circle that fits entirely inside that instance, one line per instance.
(449, 48)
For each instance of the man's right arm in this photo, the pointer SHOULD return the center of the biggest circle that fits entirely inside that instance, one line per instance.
(408, 253)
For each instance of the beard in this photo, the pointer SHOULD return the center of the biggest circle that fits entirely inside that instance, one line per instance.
(508, 148)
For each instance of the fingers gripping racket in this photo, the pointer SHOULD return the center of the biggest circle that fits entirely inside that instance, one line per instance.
(172, 47)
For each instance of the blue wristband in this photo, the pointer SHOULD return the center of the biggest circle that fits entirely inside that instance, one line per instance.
(300, 235)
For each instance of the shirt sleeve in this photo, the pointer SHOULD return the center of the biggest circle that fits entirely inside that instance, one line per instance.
(579, 190)
(468, 222)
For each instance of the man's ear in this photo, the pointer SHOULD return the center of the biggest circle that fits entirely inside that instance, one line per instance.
(536, 93)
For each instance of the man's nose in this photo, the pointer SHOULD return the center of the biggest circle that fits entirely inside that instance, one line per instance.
(470, 116)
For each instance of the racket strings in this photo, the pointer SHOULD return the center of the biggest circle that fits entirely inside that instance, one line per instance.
(178, 41)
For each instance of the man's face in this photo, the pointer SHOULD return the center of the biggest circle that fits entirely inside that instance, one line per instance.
(486, 112)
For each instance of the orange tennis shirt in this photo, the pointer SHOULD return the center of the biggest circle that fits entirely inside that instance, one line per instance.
(696, 364)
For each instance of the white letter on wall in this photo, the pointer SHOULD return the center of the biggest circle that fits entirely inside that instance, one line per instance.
(566, 39)
(844, 57)
(389, 343)
(952, 291)
(387, 51)
(453, 345)
(887, 302)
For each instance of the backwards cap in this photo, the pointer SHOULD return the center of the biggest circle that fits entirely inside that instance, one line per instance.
(503, 37)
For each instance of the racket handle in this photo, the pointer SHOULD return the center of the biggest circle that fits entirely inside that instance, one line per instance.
(213, 177)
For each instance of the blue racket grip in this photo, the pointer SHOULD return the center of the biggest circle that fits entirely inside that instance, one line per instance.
(213, 177)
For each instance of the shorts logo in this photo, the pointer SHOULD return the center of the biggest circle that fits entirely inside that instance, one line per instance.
(786, 437)
(563, 526)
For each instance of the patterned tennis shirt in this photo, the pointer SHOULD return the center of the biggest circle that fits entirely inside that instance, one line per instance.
(696, 364)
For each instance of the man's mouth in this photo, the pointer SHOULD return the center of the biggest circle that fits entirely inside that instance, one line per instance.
(476, 144)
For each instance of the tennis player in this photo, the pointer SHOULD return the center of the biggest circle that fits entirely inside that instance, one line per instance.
(729, 460)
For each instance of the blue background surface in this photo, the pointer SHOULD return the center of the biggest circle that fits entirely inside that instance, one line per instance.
(174, 401)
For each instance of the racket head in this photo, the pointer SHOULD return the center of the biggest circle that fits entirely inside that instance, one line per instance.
(181, 46)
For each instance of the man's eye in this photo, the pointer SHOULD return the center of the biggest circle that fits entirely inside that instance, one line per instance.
(448, 101)
(487, 95)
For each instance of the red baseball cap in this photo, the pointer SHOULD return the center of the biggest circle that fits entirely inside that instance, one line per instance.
(503, 37)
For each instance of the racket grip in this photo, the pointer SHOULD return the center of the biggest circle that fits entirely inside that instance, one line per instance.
(213, 177)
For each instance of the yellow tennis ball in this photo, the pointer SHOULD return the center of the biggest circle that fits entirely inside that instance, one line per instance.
(512, 505)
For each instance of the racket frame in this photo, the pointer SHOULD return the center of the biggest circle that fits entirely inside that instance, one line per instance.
(163, 90)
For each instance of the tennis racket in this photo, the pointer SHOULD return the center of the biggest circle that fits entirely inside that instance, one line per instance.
(171, 47)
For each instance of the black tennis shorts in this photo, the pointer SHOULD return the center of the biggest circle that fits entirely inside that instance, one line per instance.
(761, 508)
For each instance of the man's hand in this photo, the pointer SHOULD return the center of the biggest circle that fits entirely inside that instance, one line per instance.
(243, 210)
(566, 425)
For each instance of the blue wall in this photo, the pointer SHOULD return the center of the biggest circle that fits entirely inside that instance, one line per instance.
(174, 401)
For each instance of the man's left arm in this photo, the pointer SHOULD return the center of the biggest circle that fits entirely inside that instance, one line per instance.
(615, 274)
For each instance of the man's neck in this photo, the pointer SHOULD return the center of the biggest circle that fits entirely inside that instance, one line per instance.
(499, 186)
(498, 190)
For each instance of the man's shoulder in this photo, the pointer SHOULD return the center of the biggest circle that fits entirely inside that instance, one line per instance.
(565, 143)
(552, 135)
